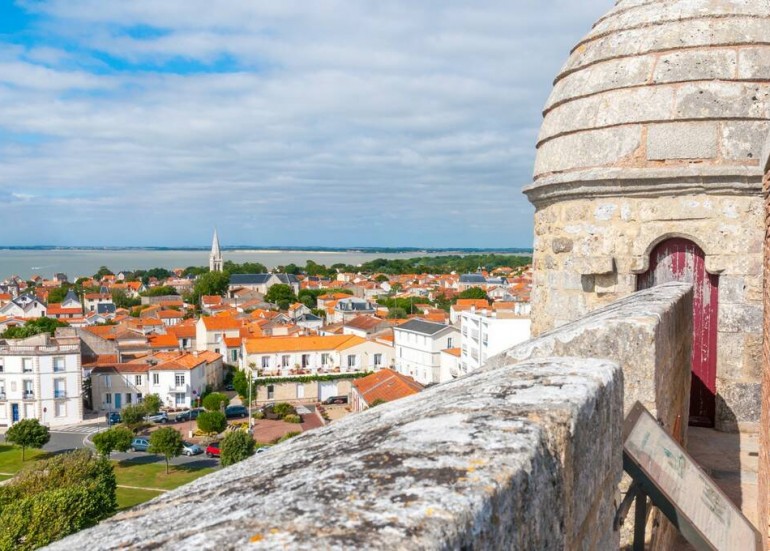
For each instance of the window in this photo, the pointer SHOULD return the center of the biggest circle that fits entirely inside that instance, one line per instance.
(305, 360)
(2, 390)
(58, 364)
(26, 365)
(107, 381)
(60, 409)
(156, 378)
(128, 397)
(59, 388)
(108, 398)
(300, 391)
(28, 389)
(270, 392)
(351, 360)
(265, 362)
(285, 360)
(449, 342)
(377, 360)
(179, 398)
(138, 380)
(324, 359)
(179, 379)
(138, 397)
(2, 369)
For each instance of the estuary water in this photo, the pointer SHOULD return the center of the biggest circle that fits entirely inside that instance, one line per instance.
(86, 262)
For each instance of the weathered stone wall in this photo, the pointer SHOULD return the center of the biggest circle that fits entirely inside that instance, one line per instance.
(649, 334)
(520, 457)
(655, 129)
(589, 252)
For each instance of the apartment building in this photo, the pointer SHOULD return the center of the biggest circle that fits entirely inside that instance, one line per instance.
(418, 345)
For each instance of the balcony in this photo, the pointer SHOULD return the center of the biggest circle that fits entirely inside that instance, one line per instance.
(179, 388)
(28, 395)
(2, 396)
(59, 393)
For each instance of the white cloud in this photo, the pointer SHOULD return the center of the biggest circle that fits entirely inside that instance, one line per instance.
(325, 122)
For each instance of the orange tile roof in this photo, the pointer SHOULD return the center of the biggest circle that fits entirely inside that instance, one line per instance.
(56, 308)
(453, 351)
(213, 323)
(233, 342)
(182, 331)
(295, 344)
(122, 368)
(387, 385)
(170, 314)
(467, 303)
(163, 341)
(503, 305)
(103, 331)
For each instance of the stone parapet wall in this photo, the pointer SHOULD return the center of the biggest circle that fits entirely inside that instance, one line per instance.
(521, 457)
(589, 252)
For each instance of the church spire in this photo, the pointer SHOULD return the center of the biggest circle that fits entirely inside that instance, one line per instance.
(215, 259)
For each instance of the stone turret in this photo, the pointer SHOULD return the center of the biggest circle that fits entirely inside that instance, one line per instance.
(215, 258)
(651, 140)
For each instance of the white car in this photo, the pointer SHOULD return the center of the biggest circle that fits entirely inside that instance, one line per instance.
(190, 449)
(160, 417)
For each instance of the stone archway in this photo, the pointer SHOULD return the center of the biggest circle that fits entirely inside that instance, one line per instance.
(680, 259)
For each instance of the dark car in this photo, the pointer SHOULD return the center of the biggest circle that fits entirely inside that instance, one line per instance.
(189, 415)
(113, 418)
(212, 450)
(229, 387)
(236, 411)
(336, 400)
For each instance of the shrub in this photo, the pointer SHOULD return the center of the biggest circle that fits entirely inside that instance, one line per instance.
(258, 415)
(28, 433)
(133, 414)
(212, 422)
(286, 437)
(152, 403)
(236, 446)
(292, 418)
(215, 401)
(282, 409)
(55, 498)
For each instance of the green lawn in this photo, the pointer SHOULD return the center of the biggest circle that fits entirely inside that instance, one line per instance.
(153, 475)
(128, 497)
(10, 458)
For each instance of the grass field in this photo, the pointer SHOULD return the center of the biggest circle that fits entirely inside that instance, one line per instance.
(128, 497)
(153, 475)
(10, 458)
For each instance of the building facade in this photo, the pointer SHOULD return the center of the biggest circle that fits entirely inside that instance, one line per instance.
(41, 378)
(418, 345)
(485, 335)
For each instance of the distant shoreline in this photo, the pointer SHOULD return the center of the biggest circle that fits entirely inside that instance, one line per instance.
(250, 249)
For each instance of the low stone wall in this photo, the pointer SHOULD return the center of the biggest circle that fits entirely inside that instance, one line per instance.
(649, 334)
(520, 457)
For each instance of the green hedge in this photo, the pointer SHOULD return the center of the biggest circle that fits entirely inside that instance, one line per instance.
(309, 378)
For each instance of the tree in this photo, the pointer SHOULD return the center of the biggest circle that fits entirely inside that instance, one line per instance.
(241, 385)
(212, 283)
(382, 278)
(58, 294)
(33, 327)
(53, 498)
(236, 446)
(28, 433)
(215, 401)
(167, 442)
(212, 422)
(152, 403)
(474, 292)
(280, 293)
(122, 300)
(396, 313)
(103, 271)
(161, 291)
(133, 414)
(116, 438)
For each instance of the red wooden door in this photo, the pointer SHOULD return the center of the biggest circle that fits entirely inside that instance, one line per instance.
(682, 260)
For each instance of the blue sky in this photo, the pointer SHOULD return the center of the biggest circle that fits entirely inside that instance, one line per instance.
(325, 123)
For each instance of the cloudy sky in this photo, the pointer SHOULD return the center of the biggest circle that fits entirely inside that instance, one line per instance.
(291, 122)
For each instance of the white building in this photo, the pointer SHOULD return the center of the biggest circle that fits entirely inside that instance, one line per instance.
(41, 378)
(418, 347)
(485, 334)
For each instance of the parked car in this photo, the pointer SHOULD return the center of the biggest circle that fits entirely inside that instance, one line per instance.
(113, 418)
(212, 450)
(188, 448)
(229, 387)
(189, 415)
(160, 417)
(139, 445)
(336, 400)
(236, 411)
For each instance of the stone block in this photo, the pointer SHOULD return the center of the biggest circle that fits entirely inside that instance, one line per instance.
(682, 66)
(732, 289)
(754, 63)
(594, 265)
(686, 140)
(743, 140)
(740, 318)
(737, 403)
(721, 100)
(561, 245)
(730, 355)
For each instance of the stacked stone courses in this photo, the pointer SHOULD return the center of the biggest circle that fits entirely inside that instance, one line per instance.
(655, 129)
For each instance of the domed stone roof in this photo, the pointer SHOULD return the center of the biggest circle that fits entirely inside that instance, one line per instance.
(665, 93)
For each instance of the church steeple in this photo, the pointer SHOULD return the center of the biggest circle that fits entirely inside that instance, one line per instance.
(215, 259)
